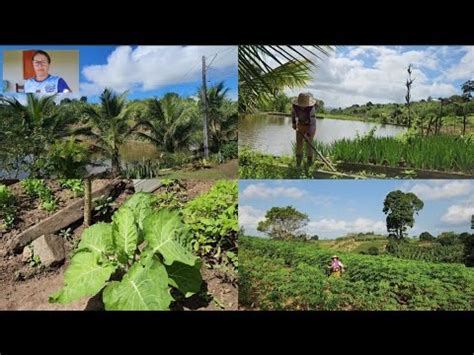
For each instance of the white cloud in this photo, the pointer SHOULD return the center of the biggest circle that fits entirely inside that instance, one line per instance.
(359, 225)
(152, 67)
(250, 216)
(261, 190)
(349, 78)
(464, 69)
(441, 189)
(459, 214)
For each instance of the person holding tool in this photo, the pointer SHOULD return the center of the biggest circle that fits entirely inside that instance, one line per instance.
(303, 117)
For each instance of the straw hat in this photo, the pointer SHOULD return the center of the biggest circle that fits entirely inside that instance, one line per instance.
(334, 257)
(304, 100)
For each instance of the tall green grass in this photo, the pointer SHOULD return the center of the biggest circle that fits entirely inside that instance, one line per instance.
(441, 152)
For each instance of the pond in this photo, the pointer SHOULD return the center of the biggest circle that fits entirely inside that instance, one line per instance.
(130, 152)
(274, 134)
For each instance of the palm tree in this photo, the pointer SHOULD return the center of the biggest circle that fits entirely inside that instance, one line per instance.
(35, 125)
(108, 126)
(222, 116)
(259, 80)
(170, 121)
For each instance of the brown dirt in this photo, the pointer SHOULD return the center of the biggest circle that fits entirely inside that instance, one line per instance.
(225, 294)
(194, 188)
(29, 211)
(33, 293)
(230, 168)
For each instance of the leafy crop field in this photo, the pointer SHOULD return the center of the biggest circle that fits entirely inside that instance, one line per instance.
(277, 275)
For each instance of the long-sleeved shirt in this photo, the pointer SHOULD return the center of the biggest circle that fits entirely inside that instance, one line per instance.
(312, 119)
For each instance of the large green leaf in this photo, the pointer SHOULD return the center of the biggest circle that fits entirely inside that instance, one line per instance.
(84, 277)
(144, 287)
(165, 233)
(185, 278)
(97, 239)
(125, 233)
(141, 205)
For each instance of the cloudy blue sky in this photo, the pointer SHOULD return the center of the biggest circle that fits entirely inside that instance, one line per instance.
(337, 207)
(148, 71)
(358, 74)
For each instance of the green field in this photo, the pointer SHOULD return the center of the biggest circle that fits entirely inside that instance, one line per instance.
(277, 275)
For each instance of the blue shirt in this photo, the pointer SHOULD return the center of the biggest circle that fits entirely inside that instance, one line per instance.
(51, 85)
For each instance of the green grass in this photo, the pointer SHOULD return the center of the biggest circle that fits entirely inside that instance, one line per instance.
(276, 275)
(443, 152)
(227, 170)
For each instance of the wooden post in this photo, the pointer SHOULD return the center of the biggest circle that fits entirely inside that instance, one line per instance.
(206, 108)
(87, 202)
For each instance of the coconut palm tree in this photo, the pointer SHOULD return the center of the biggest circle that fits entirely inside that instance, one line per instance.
(170, 122)
(222, 116)
(32, 128)
(109, 126)
(259, 80)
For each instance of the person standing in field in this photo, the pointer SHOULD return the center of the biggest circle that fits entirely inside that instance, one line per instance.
(337, 267)
(303, 117)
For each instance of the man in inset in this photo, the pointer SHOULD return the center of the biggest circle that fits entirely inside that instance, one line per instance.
(43, 82)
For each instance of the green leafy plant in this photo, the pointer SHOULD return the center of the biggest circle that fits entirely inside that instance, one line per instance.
(38, 188)
(172, 194)
(35, 260)
(212, 218)
(134, 261)
(66, 234)
(67, 159)
(104, 205)
(75, 185)
(50, 205)
(230, 150)
(7, 207)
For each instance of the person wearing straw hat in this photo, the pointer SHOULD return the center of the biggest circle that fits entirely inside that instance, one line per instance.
(303, 117)
(337, 267)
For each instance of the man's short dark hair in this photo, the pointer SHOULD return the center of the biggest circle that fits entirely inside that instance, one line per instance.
(43, 53)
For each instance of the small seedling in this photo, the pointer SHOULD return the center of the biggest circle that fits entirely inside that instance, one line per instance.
(66, 234)
(103, 205)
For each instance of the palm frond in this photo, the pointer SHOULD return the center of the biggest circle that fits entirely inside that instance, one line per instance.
(260, 79)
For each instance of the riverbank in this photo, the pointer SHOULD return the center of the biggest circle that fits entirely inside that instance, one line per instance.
(335, 117)
(227, 170)
(451, 125)
(434, 157)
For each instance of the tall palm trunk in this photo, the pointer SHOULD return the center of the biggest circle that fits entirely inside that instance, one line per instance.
(115, 162)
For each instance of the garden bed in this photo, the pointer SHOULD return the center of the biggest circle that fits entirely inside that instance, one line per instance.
(28, 286)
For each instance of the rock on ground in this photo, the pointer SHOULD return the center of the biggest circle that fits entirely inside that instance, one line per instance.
(50, 249)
